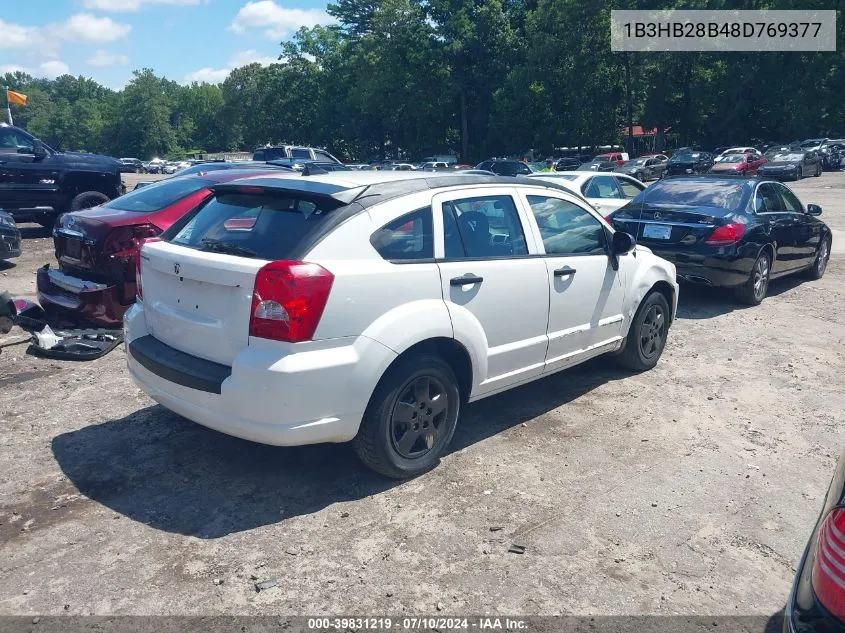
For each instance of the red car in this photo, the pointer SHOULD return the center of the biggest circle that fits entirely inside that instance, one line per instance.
(97, 247)
(614, 157)
(746, 164)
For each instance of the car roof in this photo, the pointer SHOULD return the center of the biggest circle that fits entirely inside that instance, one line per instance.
(368, 188)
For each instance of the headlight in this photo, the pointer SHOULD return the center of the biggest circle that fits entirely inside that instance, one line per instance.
(7, 220)
(791, 167)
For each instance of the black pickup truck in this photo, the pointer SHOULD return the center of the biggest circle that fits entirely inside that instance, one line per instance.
(40, 183)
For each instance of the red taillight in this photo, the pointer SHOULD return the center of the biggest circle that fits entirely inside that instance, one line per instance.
(125, 241)
(138, 289)
(288, 300)
(726, 235)
(829, 565)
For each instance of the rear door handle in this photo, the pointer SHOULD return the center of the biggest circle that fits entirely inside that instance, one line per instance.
(565, 271)
(466, 279)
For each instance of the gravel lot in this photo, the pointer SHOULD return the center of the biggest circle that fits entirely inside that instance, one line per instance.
(690, 489)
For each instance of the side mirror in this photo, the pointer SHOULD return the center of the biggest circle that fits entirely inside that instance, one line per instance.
(39, 151)
(622, 243)
(814, 209)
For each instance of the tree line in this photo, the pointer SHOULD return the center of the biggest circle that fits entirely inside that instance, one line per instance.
(406, 78)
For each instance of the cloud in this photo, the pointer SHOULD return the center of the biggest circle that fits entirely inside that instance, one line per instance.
(242, 58)
(133, 5)
(89, 28)
(50, 69)
(104, 58)
(16, 36)
(12, 68)
(277, 21)
(45, 40)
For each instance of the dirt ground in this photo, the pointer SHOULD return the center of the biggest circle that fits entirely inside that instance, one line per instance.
(690, 489)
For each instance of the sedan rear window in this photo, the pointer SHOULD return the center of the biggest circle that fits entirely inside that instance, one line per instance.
(158, 196)
(725, 194)
(263, 226)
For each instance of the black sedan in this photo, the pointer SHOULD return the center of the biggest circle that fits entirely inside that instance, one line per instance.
(10, 237)
(689, 162)
(567, 163)
(816, 603)
(791, 164)
(729, 231)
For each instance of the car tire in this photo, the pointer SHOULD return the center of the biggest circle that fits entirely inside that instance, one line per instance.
(822, 257)
(799, 174)
(647, 335)
(753, 291)
(392, 440)
(818, 170)
(87, 199)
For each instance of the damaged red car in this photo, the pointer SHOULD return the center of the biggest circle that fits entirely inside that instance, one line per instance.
(96, 248)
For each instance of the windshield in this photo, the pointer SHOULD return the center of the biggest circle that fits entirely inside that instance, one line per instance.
(813, 142)
(694, 193)
(790, 158)
(264, 226)
(685, 157)
(733, 158)
(157, 196)
(637, 162)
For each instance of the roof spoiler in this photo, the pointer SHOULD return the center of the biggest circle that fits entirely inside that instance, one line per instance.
(287, 186)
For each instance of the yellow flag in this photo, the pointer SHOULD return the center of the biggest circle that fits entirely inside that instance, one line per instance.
(16, 97)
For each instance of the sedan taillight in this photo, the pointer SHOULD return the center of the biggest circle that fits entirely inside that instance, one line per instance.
(726, 235)
(125, 241)
(829, 565)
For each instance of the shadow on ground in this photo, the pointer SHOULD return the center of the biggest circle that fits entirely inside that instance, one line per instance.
(160, 469)
(706, 302)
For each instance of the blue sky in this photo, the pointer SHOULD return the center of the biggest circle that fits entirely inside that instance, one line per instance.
(185, 40)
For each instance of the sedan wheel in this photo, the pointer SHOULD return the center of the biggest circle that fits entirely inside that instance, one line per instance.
(754, 290)
(822, 257)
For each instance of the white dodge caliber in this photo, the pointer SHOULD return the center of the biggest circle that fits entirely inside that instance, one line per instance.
(370, 306)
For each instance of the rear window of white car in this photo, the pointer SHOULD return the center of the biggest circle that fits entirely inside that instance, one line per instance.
(262, 226)
(158, 196)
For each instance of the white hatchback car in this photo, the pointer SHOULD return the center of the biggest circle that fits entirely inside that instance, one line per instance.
(370, 306)
(605, 191)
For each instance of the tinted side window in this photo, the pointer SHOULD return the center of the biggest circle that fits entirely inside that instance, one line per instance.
(259, 155)
(793, 205)
(767, 200)
(602, 187)
(486, 227)
(566, 228)
(629, 189)
(407, 237)
(301, 153)
(11, 140)
(323, 156)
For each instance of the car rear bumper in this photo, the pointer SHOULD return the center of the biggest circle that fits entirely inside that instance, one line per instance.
(99, 304)
(268, 396)
(10, 244)
(709, 269)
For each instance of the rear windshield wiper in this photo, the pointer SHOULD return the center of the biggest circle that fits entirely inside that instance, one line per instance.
(219, 246)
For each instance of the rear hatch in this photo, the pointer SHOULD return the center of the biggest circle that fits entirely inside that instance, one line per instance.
(198, 281)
